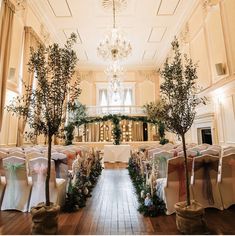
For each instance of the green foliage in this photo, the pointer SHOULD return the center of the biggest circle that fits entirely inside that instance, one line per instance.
(155, 112)
(158, 207)
(77, 112)
(69, 129)
(161, 131)
(80, 191)
(43, 107)
(179, 94)
(115, 120)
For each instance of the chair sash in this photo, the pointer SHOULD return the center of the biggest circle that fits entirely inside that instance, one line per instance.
(58, 163)
(207, 166)
(179, 168)
(231, 162)
(12, 169)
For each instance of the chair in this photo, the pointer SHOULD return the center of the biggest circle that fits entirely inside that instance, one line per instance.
(227, 180)
(33, 154)
(189, 152)
(168, 146)
(16, 154)
(228, 151)
(172, 188)
(61, 166)
(15, 149)
(5, 150)
(205, 181)
(163, 154)
(151, 152)
(38, 169)
(2, 155)
(212, 152)
(17, 191)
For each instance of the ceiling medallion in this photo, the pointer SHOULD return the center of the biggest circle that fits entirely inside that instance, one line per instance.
(119, 4)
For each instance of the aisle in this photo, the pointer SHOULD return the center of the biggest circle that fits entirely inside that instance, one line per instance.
(112, 208)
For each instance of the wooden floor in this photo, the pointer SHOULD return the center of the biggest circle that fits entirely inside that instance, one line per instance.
(112, 209)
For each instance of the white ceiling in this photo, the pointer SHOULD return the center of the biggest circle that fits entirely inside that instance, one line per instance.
(150, 25)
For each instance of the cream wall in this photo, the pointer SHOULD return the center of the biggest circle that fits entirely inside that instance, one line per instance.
(208, 36)
(146, 85)
(24, 16)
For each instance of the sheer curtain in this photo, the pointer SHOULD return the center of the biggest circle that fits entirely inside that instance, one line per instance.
(31, 40)
(6, 27)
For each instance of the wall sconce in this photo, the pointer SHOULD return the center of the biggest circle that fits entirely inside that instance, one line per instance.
(220, 69)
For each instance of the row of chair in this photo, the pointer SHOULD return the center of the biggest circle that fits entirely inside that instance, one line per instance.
(19, 191)
(209, 185)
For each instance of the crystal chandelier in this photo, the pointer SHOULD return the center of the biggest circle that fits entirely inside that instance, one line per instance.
(114, 46)
(114, 69)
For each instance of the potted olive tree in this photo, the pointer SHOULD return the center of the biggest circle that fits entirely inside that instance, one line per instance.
(43, 107)
(179, 93)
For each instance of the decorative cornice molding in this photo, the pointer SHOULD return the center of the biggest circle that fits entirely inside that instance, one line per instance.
(207, 5)
(45, 34)
(148, 75)
(86, 75)
(184, 34)
(20, 5)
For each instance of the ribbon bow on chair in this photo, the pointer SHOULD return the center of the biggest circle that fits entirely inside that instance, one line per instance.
(206, 185)
(40, 170)
(231, 162)
(12, 168)
(179, 168)
(58, 162)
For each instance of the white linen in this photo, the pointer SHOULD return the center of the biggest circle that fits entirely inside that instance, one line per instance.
(210, 164)
(17, 190)
(117, 153)
(38, 167)
(227, 180)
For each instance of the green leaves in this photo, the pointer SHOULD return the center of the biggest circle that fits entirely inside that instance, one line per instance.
(53, 68)
(179, 92)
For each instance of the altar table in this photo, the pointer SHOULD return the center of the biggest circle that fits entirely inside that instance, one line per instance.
(117, 153)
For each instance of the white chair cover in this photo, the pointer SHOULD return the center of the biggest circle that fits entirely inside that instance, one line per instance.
(16, 154)
(172, 188)
(61, 166)
(151, 152)
(168, 146)
(228, 151)
(15, 149)
(32, 155)
(2, 155)
(227, 180)
(38, 169)
(212, 152)
(205, 181)
(5, 150)
(18, 188)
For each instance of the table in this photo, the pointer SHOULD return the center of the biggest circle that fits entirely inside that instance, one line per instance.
(117, 153)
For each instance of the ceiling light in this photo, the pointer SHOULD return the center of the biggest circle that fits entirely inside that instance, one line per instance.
(114, 46)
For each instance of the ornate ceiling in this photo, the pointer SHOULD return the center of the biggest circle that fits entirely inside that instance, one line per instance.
(150, 25)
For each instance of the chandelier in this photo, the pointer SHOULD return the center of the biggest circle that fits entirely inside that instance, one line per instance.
(114, 45)
(114, 69)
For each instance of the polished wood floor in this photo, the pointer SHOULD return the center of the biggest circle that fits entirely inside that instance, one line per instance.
(112, 209)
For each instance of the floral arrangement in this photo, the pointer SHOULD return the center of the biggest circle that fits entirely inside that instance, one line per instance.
(149, 205)
(79, 191)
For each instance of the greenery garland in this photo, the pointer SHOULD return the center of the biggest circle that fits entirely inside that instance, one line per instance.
(115, 120)
(158, 206)
(79, 192)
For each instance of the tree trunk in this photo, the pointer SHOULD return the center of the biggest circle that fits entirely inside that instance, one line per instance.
(186, 171)
(47, 189)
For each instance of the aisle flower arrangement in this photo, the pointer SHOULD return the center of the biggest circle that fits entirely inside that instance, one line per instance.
(149, 205)
(80, 190)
